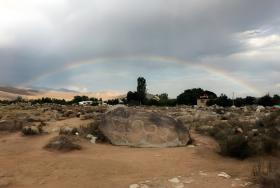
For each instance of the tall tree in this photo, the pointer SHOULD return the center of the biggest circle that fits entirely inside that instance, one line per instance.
(141, 89)
(190, 96)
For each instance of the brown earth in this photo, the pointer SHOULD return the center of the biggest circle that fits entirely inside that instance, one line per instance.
(24, 163)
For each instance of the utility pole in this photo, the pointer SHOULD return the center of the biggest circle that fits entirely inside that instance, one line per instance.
(233, 99)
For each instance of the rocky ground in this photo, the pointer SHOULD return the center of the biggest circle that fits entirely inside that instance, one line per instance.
(25, 162)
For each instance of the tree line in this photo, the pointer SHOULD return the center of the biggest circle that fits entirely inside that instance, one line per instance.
(190, 96)
(141, 97)
(48, 100)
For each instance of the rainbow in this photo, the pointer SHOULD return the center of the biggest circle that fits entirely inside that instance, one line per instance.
(210, 69)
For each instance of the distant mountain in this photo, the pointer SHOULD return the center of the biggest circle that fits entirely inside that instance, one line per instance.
(11, 93)
(18, 91)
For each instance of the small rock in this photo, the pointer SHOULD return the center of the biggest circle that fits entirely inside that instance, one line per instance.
(174, 180)
(179, 185)
(190, 146)
(144, 186)
(224, 175)
(42, 182)
(202, 173)
(89, 136)
(188, 180)
(93, 140)
(239, 130)
(134, 186)
(246, 184)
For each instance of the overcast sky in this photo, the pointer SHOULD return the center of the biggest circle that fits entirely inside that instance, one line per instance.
(98, 45)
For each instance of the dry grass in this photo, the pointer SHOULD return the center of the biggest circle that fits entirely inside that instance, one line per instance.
(243, 139)
(267, 174)
(11, 125)
(32, 130)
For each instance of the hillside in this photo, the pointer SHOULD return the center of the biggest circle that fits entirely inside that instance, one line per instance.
(10, 93)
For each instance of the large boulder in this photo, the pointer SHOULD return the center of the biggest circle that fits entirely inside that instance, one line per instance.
(139, 128)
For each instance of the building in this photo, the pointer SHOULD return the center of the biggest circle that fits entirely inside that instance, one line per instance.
(202, 100)
(85, 103)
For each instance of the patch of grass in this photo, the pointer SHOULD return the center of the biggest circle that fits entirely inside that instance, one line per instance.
(63, 143)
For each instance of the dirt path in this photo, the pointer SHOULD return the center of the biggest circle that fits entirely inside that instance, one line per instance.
(23, 163)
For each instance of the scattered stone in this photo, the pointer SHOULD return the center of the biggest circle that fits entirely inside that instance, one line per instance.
(224, 175)
(188, 180)
(202, 173)
(144, 186)
(89, 136)
(178, 185)
(246, 184)
(239, 130)
(93, 140)
(174, 180)
(134, 186)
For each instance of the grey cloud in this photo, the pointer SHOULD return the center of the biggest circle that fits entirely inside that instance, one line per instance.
(194, 30)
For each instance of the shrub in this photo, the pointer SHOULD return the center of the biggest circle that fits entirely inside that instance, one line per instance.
(68, 131)
(267, 174)
(11, 125)
(242, 139)
(235, 146)
(93, 129)
(63, 143)
(269, 144)
(31, 130)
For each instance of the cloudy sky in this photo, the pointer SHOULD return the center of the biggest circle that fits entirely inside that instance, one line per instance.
(99, 45)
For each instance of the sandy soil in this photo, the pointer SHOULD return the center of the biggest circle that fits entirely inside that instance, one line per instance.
(24, 163)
